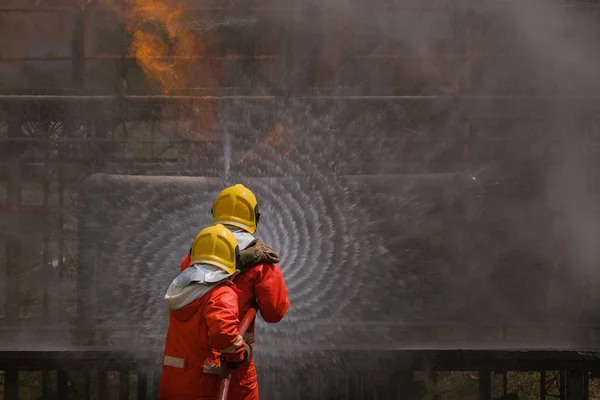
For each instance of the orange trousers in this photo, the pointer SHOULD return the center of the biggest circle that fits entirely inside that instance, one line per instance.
(244, 383)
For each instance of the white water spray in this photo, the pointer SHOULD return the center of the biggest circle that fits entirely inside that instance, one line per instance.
(227, 152)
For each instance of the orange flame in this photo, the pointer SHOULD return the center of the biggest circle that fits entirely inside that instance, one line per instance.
(279, 133)
(167, 52)
(277, 136)
(171, 56)
(159, 48)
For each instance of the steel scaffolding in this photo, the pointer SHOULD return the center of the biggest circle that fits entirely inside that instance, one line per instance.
(52, 138)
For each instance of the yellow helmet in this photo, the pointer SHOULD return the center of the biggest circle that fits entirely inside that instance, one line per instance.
(237, 206)
(215, 246)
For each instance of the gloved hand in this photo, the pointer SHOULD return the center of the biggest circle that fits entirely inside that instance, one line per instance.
(238, 360)
(255, 254)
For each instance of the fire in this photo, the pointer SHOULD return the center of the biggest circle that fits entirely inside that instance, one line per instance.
(157, 47)
(168, 54)
(171, 55)
(277, 135)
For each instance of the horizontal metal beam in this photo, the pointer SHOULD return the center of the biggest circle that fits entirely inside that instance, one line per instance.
(452, 326)
(237, 57)
(35, 10)
(437, 360)
(449, 6)
(32, 209)
(174, 98)
(8, 97)
(119, 57)
(256, 139)
(106, 160)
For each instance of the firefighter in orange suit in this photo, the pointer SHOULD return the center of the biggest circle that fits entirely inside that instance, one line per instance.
(260, 280)
(204, 318)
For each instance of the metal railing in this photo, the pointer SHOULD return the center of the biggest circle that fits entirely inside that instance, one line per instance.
(367, 374)
(79, 375)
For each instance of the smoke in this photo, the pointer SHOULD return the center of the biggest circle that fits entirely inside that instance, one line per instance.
(535, 140)
(563, 60)
(539, 228)
(500, 269)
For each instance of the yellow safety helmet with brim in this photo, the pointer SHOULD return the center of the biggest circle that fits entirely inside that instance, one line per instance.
(216, 246)
(236, 206)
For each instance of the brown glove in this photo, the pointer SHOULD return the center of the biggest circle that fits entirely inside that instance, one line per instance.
(237, 362)
(257, 253)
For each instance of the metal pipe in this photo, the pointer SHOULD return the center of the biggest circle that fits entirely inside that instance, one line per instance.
(485, 385)
(142, 384)
(62, 384)
(130, 57)
(398, 7)
(13, 243)
(280, 97)
(141, 97)
(543, 384)
(78, 50)
(35, 10)
(11, 384)
(576, 385)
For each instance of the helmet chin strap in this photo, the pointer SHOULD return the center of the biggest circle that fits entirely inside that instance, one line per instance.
(256, 214)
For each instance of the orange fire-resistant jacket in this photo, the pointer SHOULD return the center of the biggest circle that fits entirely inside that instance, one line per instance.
(198, 333)
(265, 283)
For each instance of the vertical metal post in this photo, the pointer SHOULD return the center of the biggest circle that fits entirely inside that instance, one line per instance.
(13, 243)
(78, 83)
(287, 50)
(155, 383)
(457, 48)
(103, 384)
(433, 377)
(142, 385)
(468, 75)
(543, 384)
(124, 384)
(46, 267)
(576, 385)
(563, 385)
(87, 386)
(78, 49)
(84, 334)
(62, 384)
(122, 84)
(485, 385)
(11, 384)
(60, 218)
(45, 391)
(60, 303)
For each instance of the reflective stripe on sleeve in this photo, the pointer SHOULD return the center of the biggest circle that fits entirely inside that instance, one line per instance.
(174, 362)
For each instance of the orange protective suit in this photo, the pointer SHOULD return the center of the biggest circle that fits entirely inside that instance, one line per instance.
(198, 334)
(265, 284)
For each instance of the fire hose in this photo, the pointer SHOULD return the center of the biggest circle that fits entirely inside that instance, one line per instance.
(244, 324)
